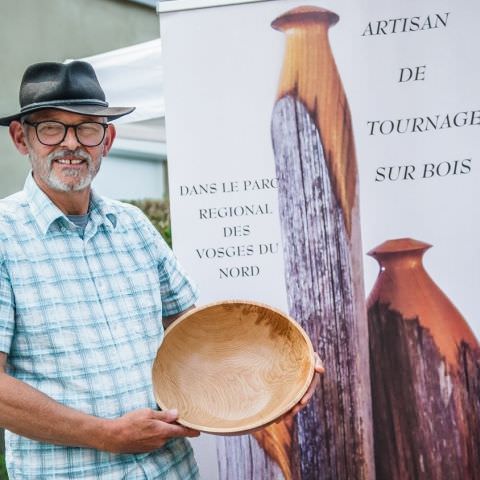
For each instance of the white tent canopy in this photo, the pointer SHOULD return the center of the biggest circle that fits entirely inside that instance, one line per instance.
(133, 76)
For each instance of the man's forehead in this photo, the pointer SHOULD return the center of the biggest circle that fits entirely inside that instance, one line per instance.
(62, 116)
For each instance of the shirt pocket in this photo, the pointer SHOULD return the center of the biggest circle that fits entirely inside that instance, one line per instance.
(141, 300)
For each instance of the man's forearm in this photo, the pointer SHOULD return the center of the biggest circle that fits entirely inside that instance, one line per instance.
(28, 412)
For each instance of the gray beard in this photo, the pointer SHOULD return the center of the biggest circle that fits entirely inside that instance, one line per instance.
(47, 173)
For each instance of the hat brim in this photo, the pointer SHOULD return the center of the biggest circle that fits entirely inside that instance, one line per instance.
(111, 113)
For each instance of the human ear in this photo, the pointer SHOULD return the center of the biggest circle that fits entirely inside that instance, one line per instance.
(18, 135)
(110, 135)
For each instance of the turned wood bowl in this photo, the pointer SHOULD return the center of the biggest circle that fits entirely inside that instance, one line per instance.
(232, 366)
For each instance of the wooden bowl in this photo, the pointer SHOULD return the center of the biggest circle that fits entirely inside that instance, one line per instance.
(232, 366)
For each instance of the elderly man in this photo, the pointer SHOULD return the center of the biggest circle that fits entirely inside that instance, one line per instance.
(84, 285)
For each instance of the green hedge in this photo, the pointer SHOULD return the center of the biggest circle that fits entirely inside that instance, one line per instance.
(158, 211)
(3, 470)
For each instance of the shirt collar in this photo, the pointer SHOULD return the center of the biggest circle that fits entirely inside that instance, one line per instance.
(46, 213)
(102, 212)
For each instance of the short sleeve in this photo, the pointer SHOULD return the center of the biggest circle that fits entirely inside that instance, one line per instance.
(177, 290)
(7, 310)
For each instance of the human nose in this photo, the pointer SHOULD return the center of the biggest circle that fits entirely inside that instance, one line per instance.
(70, 141)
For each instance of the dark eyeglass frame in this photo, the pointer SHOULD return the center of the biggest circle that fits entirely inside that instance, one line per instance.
(66, 126)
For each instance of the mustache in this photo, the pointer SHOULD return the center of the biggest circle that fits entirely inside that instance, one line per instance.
(77, 154)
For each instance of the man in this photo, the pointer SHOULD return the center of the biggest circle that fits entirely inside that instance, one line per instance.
(84, 285)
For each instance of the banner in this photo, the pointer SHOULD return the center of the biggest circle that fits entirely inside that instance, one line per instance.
(301, 137)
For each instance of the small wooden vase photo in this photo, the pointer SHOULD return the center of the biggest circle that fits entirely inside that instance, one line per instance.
(425, 373)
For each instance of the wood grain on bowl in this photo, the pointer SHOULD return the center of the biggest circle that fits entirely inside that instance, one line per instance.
(232, 366)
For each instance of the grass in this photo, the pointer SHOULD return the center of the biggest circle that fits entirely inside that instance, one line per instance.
(3, 470)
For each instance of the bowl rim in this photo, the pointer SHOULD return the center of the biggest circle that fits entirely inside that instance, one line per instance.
(260, 423)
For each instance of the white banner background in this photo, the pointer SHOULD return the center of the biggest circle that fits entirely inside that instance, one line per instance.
(222, 67)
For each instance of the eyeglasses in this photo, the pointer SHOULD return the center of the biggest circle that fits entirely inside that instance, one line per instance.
(51, 133)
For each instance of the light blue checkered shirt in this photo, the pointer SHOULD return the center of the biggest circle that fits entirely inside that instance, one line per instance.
(81, 320)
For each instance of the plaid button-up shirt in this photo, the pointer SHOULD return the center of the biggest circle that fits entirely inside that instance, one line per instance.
(81, 320)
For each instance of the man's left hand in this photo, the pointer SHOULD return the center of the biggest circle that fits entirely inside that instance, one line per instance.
(319, 370)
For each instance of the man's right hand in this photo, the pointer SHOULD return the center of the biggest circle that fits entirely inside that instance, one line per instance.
(142, 430)
(30, 413)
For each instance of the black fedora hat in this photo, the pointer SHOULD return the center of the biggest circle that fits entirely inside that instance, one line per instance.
(72, 87)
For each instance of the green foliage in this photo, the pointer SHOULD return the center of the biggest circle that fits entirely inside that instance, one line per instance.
(158, 211)
(3, 469)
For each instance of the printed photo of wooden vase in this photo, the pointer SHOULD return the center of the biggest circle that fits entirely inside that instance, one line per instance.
(425, 373)
(316, 167)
